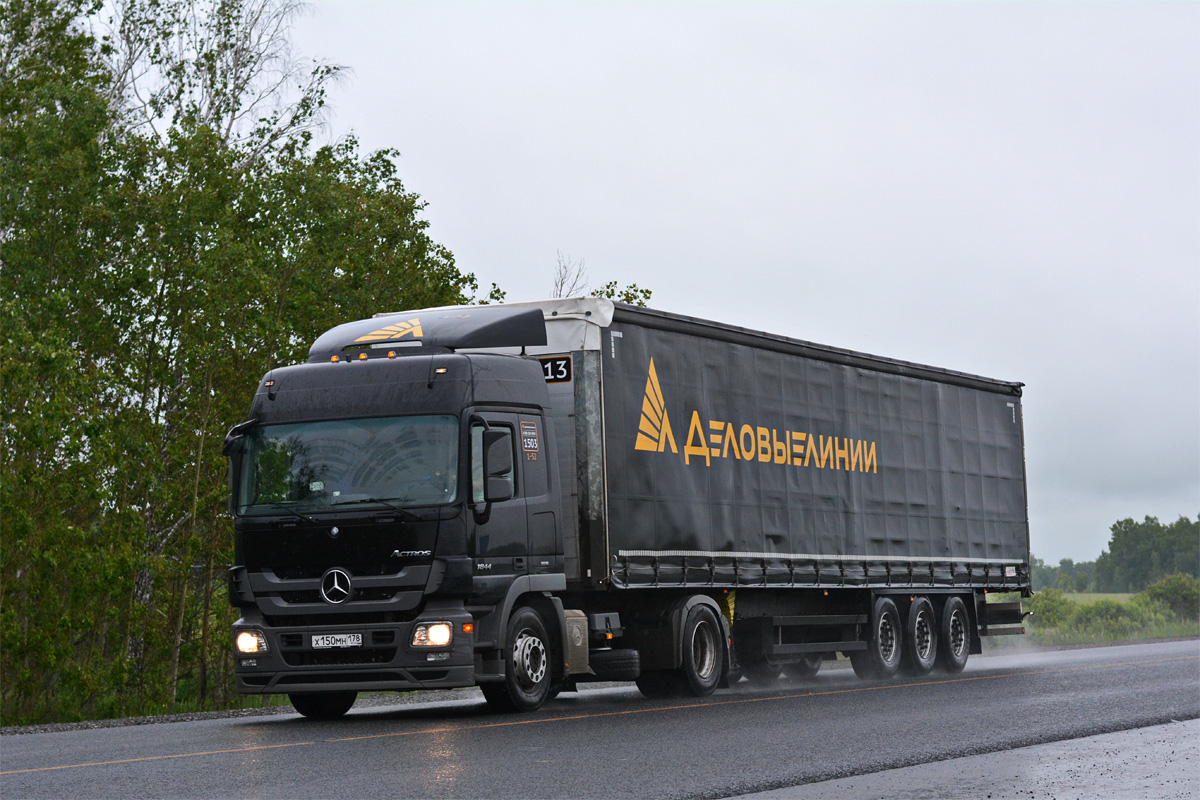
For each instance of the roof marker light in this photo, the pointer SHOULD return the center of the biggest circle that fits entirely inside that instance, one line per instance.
(440, 370)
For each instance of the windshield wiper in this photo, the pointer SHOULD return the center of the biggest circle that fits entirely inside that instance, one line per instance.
(404, 512)
(285, 507)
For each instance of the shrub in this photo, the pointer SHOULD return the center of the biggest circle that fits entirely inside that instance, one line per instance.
(1179, 593)
(1109, 619)
(1051, 609)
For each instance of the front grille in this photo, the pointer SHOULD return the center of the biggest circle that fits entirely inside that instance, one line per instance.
(296, 572)
(300, 597)
(325, 658)
(341, 618)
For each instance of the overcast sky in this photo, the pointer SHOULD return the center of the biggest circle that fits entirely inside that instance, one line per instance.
(1006, 189)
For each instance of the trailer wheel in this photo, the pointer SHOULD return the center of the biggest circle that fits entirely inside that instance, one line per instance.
(527, 665)
(920, 638)
(881, 659)
(323, 705)
(954, 644)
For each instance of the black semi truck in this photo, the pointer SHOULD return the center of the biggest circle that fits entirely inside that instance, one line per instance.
(526, 496)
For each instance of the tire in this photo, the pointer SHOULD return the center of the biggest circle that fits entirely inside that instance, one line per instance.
(954, 640)
(323, 705)
(806, 668)
(616, 665)
(703, 651)
(528, 665)
(881, 659)
(920, 639)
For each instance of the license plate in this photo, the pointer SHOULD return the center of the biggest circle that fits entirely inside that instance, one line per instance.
(327, 641)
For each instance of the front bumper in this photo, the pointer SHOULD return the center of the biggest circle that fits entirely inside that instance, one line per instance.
(385, 661)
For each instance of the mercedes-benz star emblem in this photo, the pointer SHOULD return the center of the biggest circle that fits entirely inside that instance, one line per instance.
(335, 586)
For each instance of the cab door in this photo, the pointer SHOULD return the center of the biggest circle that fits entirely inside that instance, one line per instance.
(500, 545)
(540, 506)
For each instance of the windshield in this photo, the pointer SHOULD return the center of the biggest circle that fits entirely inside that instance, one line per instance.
(316, 466)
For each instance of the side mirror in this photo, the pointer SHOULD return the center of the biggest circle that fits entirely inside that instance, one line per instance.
(497, 466)
(235, 440)
(235, 445)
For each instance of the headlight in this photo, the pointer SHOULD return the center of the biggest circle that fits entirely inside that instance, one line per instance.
(432, 634)
(251, 642)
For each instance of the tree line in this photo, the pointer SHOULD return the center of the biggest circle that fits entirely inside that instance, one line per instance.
(169, 230)
(1139, 554)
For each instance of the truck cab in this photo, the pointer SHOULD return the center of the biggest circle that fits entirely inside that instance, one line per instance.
(387, 496)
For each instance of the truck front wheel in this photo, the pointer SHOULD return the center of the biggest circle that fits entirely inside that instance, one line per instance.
(527, 665)
(323, 705)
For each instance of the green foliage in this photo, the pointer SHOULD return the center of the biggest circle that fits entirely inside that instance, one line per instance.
(149, 274)
(1180, 593)
(630, 294)
(1140, 553)
(1171, 610)
(1050, 608)
(1068, 576)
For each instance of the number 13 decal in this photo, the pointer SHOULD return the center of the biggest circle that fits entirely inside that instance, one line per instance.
(556, 369)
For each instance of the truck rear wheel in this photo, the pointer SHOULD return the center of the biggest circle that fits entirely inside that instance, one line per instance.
(702, 657)
(920, 638)
(323, 705)
(954, 644)
(703, 651)
(527, 665)
(881, 659)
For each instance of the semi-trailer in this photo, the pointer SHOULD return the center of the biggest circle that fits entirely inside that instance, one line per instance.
(526, 496)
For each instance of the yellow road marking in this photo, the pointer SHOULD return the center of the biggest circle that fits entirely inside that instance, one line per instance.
(159, 758)
(698, 704)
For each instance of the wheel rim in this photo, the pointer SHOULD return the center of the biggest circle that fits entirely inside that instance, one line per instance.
(958, 634)
(529, 660)
(704, 649)
(924, 636)
(887, 638)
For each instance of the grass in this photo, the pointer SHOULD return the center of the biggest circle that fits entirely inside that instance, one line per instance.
(1081, 618)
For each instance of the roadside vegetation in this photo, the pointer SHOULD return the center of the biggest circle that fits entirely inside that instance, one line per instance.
(1168, 608)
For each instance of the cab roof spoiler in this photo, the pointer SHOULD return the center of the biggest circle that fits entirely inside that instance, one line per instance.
(447, 328)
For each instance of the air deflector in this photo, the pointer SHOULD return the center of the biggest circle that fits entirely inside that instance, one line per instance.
(452, 328)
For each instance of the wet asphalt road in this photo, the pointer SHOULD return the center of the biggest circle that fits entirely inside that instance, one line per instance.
(609, 742)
